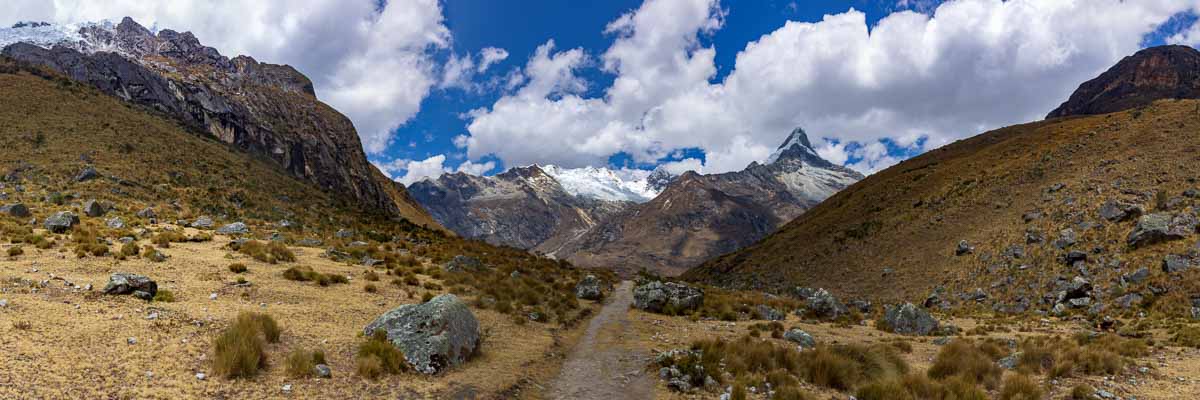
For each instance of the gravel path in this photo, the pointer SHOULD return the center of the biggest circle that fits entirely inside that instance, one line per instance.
(604, 365)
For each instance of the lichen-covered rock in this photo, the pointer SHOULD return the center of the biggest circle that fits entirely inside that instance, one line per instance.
(87, 174)
(659, 297)
(1114, 211)
(139, 286)
(204, 222)
(907, 319)
(61, 222)
(824, 305)
(433, 336)
(115, 223)
(236, 228)
(769, 313)
(588, 288)
(1162, 227)
(800, 337)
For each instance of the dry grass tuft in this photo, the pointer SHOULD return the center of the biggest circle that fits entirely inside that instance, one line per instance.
(238, 352)
(268, 252)
(377, 356)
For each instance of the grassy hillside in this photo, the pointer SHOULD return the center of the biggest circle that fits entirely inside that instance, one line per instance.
(894, 234)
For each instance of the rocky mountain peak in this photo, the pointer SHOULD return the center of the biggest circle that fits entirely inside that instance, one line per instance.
(659, 179)
(1163, 72)
(797, 149)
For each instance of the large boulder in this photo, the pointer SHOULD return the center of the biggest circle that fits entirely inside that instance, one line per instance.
(15, 210)
(87, 174)
(1162, 227)
(126, 283)
(907, 319)
(236, 228)
(588, 288)
(670, 296)
(433, 336)
(800, 337)
(61, 222)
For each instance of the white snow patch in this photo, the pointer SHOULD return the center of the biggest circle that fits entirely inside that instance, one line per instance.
(603, 183)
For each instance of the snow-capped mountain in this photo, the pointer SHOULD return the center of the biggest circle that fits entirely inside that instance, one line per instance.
(630, 219)
(606, 184)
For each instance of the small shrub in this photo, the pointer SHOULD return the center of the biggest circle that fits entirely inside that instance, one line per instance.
(370, 288)
(301, 274)
(963, 359)
(301, 363)
(237, 268)
(1082, 392)
(371, 276)
(1187, 336)
(15, 251)
(129, 250)
(268, 252)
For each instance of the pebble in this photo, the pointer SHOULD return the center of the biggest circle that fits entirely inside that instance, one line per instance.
(201, 376)
(212, 296)
(152, 316)
(131, 340)
(287, 388)
(3, 303)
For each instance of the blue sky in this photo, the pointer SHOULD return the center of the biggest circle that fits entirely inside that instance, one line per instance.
(477, 24)
(706, 85)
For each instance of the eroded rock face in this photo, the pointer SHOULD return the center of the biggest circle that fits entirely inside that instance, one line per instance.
(659, 297)
(266, 109)
(433, 336)
(1163, 72)
(907, 319)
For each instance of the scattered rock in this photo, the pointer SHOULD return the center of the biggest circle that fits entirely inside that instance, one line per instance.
(1114, 211)
(1137, 276)
(236, 228)
(1161, 227)
(61, 222)
(1011, 361)
(115, 223)
(147, 213)
(433, 336)
(1031, 216)
(768, 313)
(1066, 238)
(824, 305)
(126, 283)
(87, 174)
(201, 376)
(907, 319)
(588, 288)
(15, 210)
(367, 261)
(963, 248)
(659, 297)
(800, 337)
(1129, 300)
(323, 371)
(93, 208)
(344, 233)
(308, 242)
(1176, 263)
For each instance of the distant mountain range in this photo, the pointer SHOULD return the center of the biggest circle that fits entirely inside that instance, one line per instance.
(630, 221)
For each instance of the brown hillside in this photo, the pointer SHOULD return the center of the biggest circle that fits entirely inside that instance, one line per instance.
(910, 217)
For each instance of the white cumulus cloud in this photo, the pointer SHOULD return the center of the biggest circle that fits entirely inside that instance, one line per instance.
(965, 67)
(408, 172)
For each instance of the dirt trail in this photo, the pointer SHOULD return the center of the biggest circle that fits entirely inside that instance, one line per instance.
(606, 364)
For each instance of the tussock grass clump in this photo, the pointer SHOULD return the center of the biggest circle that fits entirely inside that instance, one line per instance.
(1084, 354)
(87, 241)
(1187, 336)
(268, 252)
(15, 251)
(377, 356)
(919, 387)
(237, 268)
(370, 288)
(301, 363)
(164, 239)
(165, 296)
(968, 361)
(1082, 392)
(306, 274)
(239, 351)
(371, 276)
(128, 250)
(748, 359)
(1021, 387)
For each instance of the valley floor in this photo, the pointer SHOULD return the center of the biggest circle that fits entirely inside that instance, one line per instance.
(60, 342)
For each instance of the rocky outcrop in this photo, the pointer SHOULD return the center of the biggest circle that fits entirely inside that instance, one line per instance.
(433, 336)
(61, 222)
(1162, 227)
(670, 297)
(1163, 72)
(268, 110)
